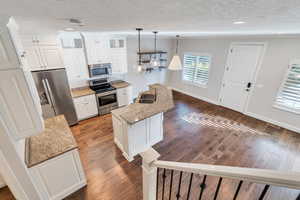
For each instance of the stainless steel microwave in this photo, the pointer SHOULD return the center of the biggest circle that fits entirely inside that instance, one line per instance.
(100, 70)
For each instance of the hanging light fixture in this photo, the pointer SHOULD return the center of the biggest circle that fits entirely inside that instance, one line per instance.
(154, 60)
(175, 63)
(140, 66)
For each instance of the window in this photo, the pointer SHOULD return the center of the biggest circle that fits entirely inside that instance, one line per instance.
(288, 97)
(196, 69)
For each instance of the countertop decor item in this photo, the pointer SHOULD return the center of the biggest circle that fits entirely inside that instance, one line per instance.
(176, 62)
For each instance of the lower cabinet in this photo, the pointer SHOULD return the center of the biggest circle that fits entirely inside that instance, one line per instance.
(59, 177)
(139, 137)
(86, 106)
(124, 96)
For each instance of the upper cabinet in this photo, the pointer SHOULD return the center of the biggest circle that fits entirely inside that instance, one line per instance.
(106, 49)
(42, 52)
(18, 107)
(8, 56)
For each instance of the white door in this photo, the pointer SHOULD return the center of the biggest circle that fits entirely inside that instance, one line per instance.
(239, 76)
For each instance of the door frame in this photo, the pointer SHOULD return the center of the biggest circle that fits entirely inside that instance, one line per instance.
(258, 67)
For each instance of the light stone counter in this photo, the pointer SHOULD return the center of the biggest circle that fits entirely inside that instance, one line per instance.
(55, 140)
(83, 91)
(137, 111)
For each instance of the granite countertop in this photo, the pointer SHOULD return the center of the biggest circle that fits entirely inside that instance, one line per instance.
(120, 84)
(137, 111)
(82, 91)
(55, 140)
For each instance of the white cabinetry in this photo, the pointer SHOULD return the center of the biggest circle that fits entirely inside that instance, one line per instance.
(59, 176)
(17, 106)
(97, 48)
(86, 106)
(124, 96)
(42, 52)
(106, 49)
(8, 56)
(118, 54)
(136, 138)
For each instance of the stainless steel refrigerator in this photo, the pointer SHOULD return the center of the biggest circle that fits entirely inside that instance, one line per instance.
(55, 95)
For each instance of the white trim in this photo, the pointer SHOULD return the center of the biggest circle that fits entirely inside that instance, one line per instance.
(271, 121)
(254, 78)
(195, 96)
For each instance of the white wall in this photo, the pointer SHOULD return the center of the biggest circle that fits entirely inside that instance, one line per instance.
(140, 81)
(278, 54)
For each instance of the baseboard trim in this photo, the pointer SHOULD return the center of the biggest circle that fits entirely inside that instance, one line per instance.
(195, 96)
(70, 190)
(250, 114)
(2, 185)
(271, 121)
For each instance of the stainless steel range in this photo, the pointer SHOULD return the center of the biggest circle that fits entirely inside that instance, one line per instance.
(106, 95)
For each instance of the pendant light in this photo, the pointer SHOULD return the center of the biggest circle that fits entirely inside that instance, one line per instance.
(140, 66)
(176, 62)
(154, 60)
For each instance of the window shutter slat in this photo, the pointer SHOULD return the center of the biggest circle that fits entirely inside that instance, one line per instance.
(289, 93)
(196, 69)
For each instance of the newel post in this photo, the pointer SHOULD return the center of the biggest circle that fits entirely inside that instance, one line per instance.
(149, 174)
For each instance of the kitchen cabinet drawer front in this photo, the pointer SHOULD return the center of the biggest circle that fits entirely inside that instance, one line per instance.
(17, 106)
(59, 176)
(86, 106)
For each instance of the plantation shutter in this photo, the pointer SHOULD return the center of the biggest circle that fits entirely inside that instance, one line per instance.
(289, 94)
(196, 69)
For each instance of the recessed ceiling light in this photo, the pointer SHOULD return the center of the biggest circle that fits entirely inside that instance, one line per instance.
(239, 22)
(69, 29)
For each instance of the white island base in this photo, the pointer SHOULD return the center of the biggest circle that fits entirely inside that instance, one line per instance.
(133, 139)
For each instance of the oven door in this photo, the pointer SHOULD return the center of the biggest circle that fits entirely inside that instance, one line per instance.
(107, 99)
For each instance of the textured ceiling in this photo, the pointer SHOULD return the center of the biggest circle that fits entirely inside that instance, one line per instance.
(169, 16)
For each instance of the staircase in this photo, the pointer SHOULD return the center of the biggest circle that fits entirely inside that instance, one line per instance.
(192, 180)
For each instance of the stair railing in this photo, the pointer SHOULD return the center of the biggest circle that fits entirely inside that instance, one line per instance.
(151, 165)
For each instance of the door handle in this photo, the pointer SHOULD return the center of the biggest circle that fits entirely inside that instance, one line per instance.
(248, 86)
(47, 93)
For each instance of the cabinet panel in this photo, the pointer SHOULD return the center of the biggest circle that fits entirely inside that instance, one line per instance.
(17, 105)
(155, 127)
(32, 58)
(86, 107)
(8, 56)
(51, 57)
(60, 176)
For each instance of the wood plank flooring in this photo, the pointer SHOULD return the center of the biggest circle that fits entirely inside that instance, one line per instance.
(111, 177)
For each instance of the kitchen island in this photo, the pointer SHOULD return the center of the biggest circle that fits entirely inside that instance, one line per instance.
(139, 126)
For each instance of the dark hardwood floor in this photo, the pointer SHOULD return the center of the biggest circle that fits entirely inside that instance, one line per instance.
(111, 177)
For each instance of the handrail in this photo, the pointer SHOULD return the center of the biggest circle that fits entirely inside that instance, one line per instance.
(265, 176)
